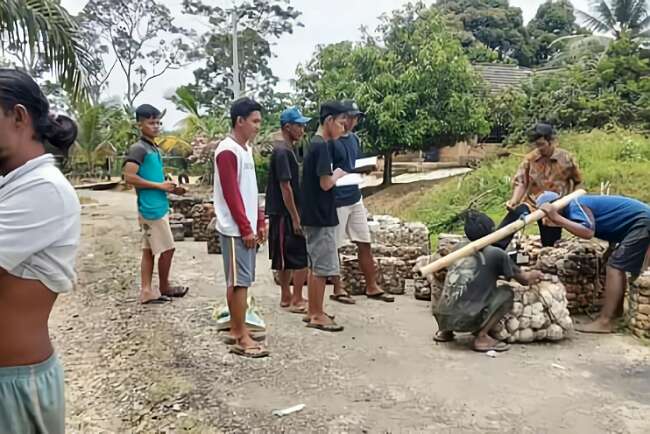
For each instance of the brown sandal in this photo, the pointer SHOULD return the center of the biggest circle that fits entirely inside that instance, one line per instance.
(256, 352)
(343, 298)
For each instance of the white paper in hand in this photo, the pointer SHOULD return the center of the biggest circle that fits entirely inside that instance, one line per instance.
(349, 179)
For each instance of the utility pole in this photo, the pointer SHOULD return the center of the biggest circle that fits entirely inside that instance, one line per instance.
(236, 85)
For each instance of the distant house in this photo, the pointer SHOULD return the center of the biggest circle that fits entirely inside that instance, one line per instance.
(500, 77)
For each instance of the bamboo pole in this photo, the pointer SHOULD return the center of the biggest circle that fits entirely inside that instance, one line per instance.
(492, 238)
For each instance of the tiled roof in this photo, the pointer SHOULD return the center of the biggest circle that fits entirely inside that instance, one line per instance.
(500, 76)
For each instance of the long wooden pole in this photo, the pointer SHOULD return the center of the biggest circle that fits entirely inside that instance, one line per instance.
(492, 238)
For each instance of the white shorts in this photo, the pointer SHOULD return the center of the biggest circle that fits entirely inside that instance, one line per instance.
(156, 235)
(353, 224)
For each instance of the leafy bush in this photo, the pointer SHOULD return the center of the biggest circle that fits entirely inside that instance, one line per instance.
(610, 91)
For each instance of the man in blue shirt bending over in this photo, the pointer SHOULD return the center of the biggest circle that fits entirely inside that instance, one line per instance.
(625, 224)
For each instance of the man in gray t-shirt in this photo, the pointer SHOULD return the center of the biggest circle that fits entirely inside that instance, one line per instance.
(471, 301)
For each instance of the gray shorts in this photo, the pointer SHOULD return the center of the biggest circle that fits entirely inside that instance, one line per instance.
(321, 250)
(238, 262)
(31, 398)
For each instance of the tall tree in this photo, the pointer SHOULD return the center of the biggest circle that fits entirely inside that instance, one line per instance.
(415, 84)
(45, 30)
(259, 22)
(495, 24)
(142, 36)
(554, 19)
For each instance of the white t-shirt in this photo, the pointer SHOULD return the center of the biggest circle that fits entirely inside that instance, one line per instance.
(40, 224)
(246, 184)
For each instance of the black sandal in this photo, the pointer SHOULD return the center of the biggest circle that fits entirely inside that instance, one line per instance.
(382, 296)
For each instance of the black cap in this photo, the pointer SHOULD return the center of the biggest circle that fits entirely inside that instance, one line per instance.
(332, 108)
(353, 108)
(541, 130)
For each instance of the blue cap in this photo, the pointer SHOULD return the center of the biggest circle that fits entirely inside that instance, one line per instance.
(546, 197)
(293, 116)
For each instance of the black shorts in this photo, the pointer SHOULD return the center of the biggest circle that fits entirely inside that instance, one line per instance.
(287, 251)
(629, 254)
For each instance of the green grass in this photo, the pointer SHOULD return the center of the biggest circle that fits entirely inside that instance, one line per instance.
(620, 157)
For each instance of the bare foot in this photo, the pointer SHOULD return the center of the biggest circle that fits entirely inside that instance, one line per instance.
(147, 295)
(599, 326)
(298, 309)
(285, 300)
(486, 343)
(323, 319)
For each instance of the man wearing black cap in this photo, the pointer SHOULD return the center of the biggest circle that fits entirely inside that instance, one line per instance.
(318, 212)
(546, 168)
(471, 301)
(352, 215)
(287, 249)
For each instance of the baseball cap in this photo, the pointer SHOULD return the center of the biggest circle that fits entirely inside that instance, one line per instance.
(353, 108)
(546, 197)
(332, 108)
(293, 116)
(541, 130)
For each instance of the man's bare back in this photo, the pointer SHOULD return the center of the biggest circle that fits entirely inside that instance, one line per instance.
(25, 307)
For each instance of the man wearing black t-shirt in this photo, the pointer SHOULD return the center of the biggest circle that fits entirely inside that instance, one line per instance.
(318, 215)
(353, 218)
(287, 249)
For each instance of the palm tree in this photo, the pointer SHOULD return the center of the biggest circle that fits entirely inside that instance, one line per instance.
(619, 17)
(613, 19)
(195, 123)
(45, 27)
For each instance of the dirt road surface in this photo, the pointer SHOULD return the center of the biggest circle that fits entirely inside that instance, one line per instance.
(163, 369)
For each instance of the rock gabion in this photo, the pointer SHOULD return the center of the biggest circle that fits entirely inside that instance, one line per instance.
(391, 231)
(579, 264)
(183, 204)
(539, 313)
(178, 231)
(202, 214)
(638, 314)
(181, 226)
(214, 242)
(396, 245)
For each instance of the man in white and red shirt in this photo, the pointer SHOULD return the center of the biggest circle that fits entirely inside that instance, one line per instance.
(240, 221)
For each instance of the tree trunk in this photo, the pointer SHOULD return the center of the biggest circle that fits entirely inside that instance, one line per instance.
(388, 168)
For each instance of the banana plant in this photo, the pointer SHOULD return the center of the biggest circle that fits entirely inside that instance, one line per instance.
(45, 27)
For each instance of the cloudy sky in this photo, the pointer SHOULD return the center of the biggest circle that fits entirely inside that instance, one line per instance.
(325, 22)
